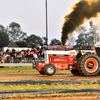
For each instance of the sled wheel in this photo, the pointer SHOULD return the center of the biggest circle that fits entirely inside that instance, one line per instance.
(49, 69)
(88, 65)
(42, 72)
(75, 72)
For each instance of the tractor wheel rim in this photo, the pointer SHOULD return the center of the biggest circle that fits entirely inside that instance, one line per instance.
(91, 65)
(50, 70)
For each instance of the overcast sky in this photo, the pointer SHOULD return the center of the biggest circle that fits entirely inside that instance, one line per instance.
(30, 14)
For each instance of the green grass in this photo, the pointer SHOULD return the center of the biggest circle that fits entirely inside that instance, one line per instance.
(45, 86)
(17, 69)
(85, 84)
(20, 69)
(50, 86)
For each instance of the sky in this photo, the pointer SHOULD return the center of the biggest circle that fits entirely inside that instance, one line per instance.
(31, 15)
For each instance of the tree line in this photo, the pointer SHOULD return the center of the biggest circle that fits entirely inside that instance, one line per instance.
(13, 32)
(84, 35)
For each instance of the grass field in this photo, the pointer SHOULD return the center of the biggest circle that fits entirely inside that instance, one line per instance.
(17, 69)
(21, 69)
(45, 86)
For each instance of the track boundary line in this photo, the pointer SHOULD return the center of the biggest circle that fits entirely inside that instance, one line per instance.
(65, 81)
(48, 91)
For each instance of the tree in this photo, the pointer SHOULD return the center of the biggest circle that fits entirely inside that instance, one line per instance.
(44, 40)
(15, 32)
(2, 28)
(82, 37)
(4, 38)
(81, 29)
(55, 42)
(71, 39)
(37, 40)
(86, 36)
(90, 34)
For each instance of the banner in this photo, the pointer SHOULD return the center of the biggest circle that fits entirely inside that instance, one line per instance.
(59, 47)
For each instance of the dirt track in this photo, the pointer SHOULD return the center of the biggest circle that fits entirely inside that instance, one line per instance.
(14, 76)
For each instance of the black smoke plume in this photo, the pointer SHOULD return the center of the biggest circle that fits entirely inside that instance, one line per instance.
(82, 11)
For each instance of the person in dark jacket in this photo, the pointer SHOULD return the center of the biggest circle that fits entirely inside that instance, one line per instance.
(33, 45)
(39, 56)
(42, 55)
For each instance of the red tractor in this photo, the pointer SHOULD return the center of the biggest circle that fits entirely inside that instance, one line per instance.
(83, 61)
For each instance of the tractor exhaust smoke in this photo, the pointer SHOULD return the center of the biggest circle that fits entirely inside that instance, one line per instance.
(82, 11)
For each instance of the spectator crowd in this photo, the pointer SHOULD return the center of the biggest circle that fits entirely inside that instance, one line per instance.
(16, 56)
(13, 56)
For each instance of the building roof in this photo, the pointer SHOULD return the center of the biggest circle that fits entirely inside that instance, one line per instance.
(11, 44)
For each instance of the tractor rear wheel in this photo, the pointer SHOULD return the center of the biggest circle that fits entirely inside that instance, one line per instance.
(89, 65)
(49, 69)
(75, 72)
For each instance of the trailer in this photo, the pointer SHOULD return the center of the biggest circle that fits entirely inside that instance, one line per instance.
(83, 61)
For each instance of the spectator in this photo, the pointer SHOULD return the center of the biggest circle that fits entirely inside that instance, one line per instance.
(34, 49)
(8, 59)
(12, 56)
(33, 45)
(42, 55)
(23, 56)
(35, 56)
(19, 58)
(13, 50)
(0, 56)
(3, 58)
(17, 52)
(32, 54)
(22, 52)
(15, 58)
(7, 50)
(28, 50)
(29, 55)
(39, 56)
(6, 55)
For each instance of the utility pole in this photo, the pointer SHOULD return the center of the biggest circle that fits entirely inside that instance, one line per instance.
(46, 24)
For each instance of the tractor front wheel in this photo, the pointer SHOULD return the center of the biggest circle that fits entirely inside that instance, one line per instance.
(49, 69)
